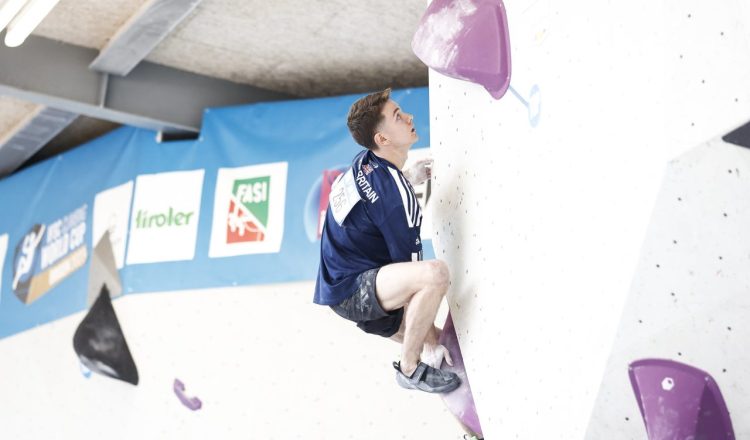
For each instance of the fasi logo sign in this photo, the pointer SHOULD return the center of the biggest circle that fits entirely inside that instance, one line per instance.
(164, 219)
(249, 210)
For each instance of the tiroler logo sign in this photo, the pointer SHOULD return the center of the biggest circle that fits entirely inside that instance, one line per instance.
(164, 218)
(171, 217)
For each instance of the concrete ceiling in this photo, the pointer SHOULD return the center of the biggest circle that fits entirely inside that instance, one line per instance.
(13, 112)
(305, 48)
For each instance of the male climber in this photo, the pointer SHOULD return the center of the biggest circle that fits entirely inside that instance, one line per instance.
(371, 269)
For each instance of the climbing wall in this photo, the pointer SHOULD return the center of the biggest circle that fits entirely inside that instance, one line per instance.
(265, 362)
(542, 199)
(688, 301)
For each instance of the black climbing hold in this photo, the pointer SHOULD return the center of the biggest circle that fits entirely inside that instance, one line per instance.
(739, 136)
(100, 343)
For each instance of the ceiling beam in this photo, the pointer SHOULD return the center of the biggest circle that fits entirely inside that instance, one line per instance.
(141, 34)
(168, 100)
(128, 47)
(29, 135)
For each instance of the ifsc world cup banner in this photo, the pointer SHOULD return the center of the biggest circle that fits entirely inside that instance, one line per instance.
(243, 204)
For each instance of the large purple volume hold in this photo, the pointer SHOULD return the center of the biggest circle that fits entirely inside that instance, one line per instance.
(460, 401)
(466, 39)
(678, 401)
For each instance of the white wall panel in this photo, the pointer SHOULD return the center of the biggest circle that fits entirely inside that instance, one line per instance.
(265, 361)
(689, 299)
(542, 225)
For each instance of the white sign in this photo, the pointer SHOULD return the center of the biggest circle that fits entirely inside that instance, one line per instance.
(164, 219)
(111, 213)
(249, 210)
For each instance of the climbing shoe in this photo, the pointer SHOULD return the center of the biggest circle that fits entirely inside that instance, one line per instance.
(427, 379)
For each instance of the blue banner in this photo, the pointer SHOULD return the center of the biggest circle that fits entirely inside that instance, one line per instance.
(240, 205)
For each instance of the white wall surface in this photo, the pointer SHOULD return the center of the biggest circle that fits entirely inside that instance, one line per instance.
(542, 226)
(689, 300)
(265, 361)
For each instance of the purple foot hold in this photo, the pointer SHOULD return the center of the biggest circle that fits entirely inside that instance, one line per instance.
(678, 401)
(466, 39)
(192, 403)
(460, 402)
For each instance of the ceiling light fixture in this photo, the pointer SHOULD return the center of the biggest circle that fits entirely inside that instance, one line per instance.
(27, 20)
(8, 10)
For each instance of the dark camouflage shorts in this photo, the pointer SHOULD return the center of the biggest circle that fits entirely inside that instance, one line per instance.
(364, 309)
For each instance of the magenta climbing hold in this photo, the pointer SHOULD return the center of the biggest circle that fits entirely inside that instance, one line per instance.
(466, 39)
(460, 402)
(678, 401)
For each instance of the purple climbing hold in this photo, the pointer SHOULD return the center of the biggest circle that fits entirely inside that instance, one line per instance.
(466, 39)
(460, 402)
(678, 401)
(192, 403)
